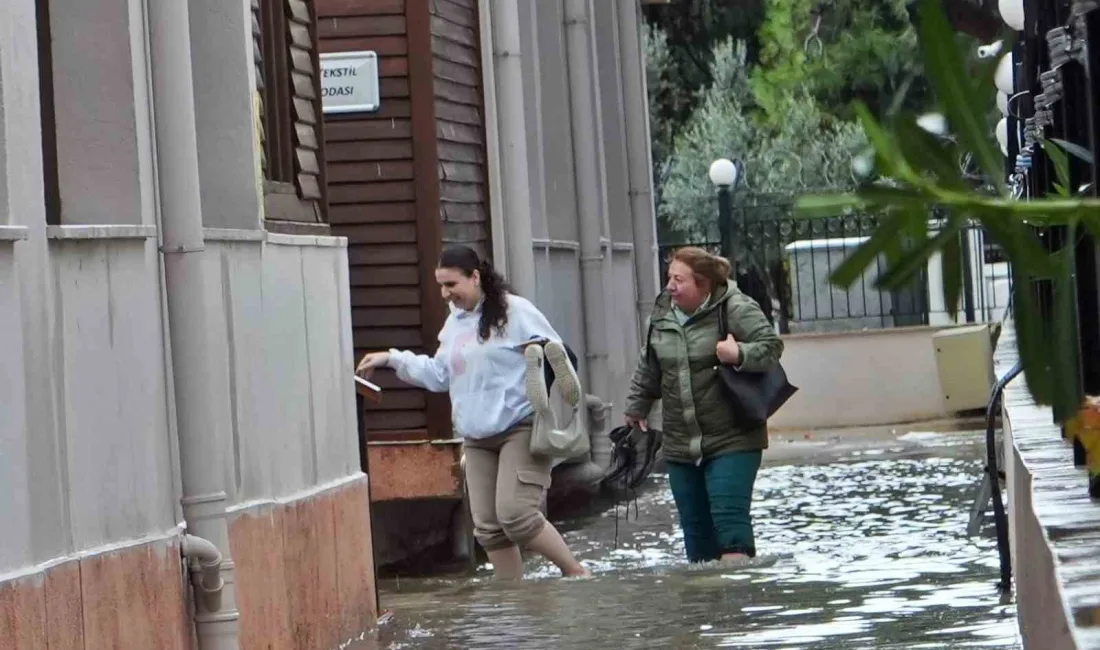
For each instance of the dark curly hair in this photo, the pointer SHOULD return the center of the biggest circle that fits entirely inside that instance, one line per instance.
(494, 306)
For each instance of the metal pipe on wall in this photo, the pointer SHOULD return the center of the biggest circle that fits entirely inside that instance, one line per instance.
(516, 195)
(591, 215)
(494, 175)
(180, 220)
(639, 156)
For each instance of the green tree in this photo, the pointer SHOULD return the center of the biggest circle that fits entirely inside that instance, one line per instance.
(839, 52)
(806, 149)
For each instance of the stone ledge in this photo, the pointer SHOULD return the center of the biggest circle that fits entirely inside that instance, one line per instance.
(279, 239)
(13, 233)
(104, 232)
(1060, 506)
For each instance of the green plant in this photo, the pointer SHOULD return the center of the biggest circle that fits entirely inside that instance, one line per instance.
(923, 175)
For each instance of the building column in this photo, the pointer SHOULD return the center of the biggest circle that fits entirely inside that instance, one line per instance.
(516, 175)
(639, 157)
(591, 202)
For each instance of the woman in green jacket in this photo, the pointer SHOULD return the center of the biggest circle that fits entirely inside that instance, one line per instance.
(712, 459)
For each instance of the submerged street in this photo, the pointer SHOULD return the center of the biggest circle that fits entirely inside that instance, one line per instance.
(871, 553)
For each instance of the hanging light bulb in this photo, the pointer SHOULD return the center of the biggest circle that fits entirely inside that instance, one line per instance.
(934, 123)
(991, 50)
(1012, 12)
(863, 165)
(1002, 102)
(1003, 76)
(1002, 135)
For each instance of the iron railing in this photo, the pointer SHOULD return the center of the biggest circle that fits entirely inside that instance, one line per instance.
(785, 263)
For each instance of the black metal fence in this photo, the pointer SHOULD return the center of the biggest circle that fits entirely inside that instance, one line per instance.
(785, 262)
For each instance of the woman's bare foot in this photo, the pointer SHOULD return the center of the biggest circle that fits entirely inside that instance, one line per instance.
(584, 572)
(550, 544)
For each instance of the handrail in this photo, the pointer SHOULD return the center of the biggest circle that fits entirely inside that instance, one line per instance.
(1000, 518)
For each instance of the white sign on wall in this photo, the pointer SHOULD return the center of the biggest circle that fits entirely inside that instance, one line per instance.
(349, 82)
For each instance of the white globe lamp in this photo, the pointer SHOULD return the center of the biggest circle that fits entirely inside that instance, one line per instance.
(1002, 102)
(1012, 12)
(1003, 76)
(991, 50)
(1002, 135)
(723, 173)
(863, 165)
(934, 123)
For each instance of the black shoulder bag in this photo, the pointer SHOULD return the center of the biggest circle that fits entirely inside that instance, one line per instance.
(754, 396)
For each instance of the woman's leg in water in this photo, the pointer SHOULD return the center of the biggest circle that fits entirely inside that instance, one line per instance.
(729, 480)
(482, 460)
(689, 491)
(550, 544)
(522, 479)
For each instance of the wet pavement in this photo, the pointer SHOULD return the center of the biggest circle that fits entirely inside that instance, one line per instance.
(871, 552)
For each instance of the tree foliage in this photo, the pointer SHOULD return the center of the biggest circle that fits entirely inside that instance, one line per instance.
(806, 149)
(748, 80)
(862, 50)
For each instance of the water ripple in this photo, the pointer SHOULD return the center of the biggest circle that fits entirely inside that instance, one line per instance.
(872, 553)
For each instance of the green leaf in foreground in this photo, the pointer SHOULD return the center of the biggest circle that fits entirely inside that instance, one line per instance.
(1061, 167)
(962, 102)
(1075, 150)
(916, 257)
(850, 270)
(815, 206)
(951, 266)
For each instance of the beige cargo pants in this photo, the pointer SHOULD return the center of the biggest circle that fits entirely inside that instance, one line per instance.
(506, 483)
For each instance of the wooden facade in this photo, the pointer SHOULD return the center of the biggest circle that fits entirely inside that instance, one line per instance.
(404, 180)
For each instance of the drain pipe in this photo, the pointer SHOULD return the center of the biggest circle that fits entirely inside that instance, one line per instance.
(516, 181)
(1000, 517)
(591, 210)
(209, 564)
(639, 158)
(182, 247)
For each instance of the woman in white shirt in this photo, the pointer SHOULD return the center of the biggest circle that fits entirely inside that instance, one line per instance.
(481, 364)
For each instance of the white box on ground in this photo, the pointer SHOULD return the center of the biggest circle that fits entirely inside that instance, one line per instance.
(964, 359)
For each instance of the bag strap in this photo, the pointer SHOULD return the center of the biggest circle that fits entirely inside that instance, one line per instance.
(723, 320)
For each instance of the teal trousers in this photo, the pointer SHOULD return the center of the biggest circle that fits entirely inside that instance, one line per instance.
(714, 500)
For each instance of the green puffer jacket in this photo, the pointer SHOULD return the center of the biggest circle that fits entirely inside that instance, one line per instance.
(678, 366)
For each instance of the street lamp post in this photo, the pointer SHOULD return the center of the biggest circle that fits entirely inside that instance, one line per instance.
(723, 173)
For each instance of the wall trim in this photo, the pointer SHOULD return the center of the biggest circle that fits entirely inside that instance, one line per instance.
(114, 547)
(233, 235)
(302, 495)
(279, 239)
(14, 233)
(101, 232)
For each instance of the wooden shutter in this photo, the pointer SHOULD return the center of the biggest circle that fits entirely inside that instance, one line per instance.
(288, 82)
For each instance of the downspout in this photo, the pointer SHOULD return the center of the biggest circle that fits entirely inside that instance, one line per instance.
(201, 454)
(590, 212)
(639, 156)
(498, 224)
(516, 197)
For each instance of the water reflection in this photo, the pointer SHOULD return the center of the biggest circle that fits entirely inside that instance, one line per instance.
(872, 553)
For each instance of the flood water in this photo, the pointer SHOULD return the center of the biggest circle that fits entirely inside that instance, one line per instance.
(872, 553)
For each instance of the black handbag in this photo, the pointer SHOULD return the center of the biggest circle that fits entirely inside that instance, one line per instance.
(754, 396)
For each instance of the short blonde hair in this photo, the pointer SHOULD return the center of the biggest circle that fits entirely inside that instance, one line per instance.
(708, 269)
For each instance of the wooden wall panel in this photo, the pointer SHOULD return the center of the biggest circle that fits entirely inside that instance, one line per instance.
(372, 193)
(406, 180)
(460, 123)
